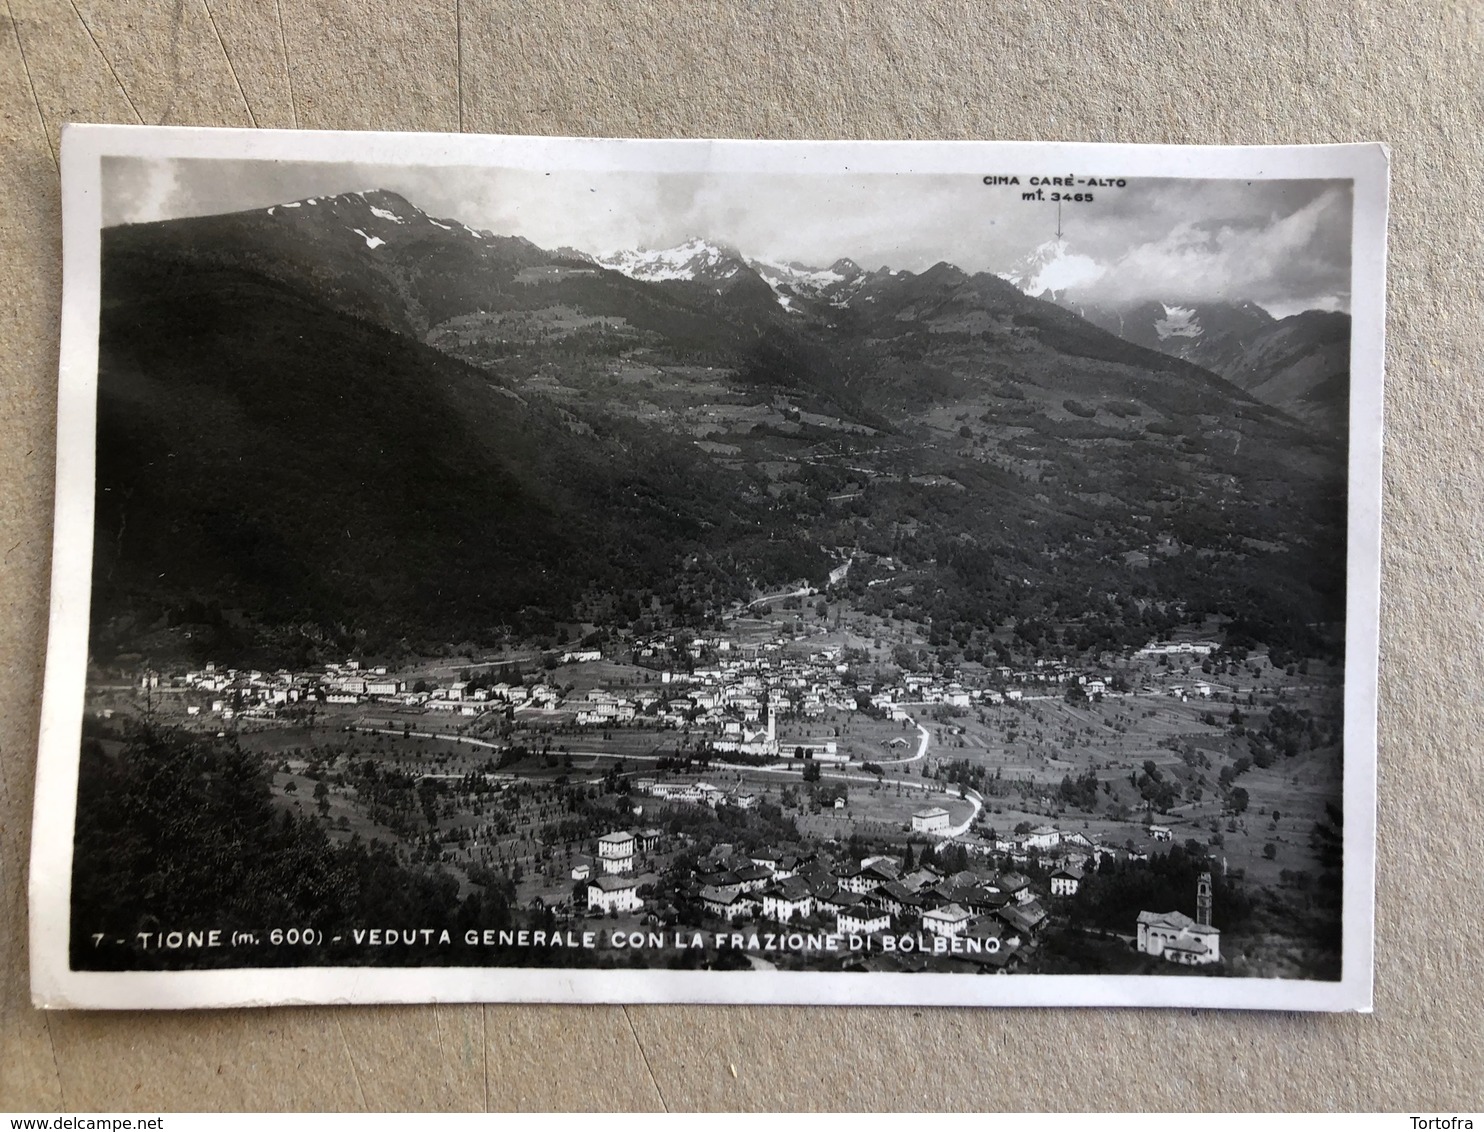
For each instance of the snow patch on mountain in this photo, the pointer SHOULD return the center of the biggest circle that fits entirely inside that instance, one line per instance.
(796, 276)
(372, 242)
(1178, 322)
(790, 281)
(386, 214)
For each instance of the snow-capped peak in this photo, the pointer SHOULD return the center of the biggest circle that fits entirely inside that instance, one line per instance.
(1053, 268)
(797, 276)
(713, 262)
(380, 217)
(791, 281)
(694, 259)
(1178, 322)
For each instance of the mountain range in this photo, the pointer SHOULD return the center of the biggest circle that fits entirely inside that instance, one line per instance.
(1300, 364)
(343, 420)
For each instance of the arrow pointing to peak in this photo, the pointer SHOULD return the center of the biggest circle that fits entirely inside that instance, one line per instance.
(1058, 220)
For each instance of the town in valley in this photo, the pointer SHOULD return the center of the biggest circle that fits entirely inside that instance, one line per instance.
(799, 774)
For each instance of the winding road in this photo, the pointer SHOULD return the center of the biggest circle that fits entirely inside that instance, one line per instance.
(922, 746)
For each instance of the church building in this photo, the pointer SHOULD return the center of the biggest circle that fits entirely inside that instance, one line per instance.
(1177, 938)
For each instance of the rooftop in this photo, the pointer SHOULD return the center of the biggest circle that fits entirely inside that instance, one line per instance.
(950, 912)
(612, 883)
(714, 895)
(1179, 921)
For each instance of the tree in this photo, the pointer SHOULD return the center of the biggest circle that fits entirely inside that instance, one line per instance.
(811, 771)
(179, 828)
(1270, 851)
(1238, 799)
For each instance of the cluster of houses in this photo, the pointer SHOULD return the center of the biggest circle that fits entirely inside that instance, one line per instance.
(696, 792)
(731, 691)
(1068, 853)
(1047, 844)
(1178, 648)
(227, 692)
(994, 916)
(739, 695)
(1050, 845)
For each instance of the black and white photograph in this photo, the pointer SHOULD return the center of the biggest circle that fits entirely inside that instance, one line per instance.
(524, 569)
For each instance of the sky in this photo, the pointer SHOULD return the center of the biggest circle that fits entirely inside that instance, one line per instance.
(1284, 245)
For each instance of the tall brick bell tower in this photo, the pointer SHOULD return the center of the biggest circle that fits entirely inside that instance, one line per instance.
(1203, 900)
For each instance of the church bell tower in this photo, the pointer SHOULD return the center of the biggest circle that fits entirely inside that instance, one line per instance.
(1203, 900)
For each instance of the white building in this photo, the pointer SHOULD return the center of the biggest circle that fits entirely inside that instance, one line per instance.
(949, 921)
(1176, 938)
(726, 903)
(616, 852)
(934, 819)
(1043, 837)
(1065, 882)
(863, 919)
(614, 894)
(787, 899)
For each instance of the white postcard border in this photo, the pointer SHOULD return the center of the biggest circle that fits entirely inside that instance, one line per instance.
(55, 985)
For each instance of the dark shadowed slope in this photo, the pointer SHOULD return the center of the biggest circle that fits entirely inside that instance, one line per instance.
(262, 451)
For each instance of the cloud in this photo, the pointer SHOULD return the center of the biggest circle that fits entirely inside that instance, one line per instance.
(1288, 261)
(1062, 271)
(140, 191)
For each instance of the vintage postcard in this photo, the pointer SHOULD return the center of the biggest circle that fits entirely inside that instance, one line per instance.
(531, 569)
